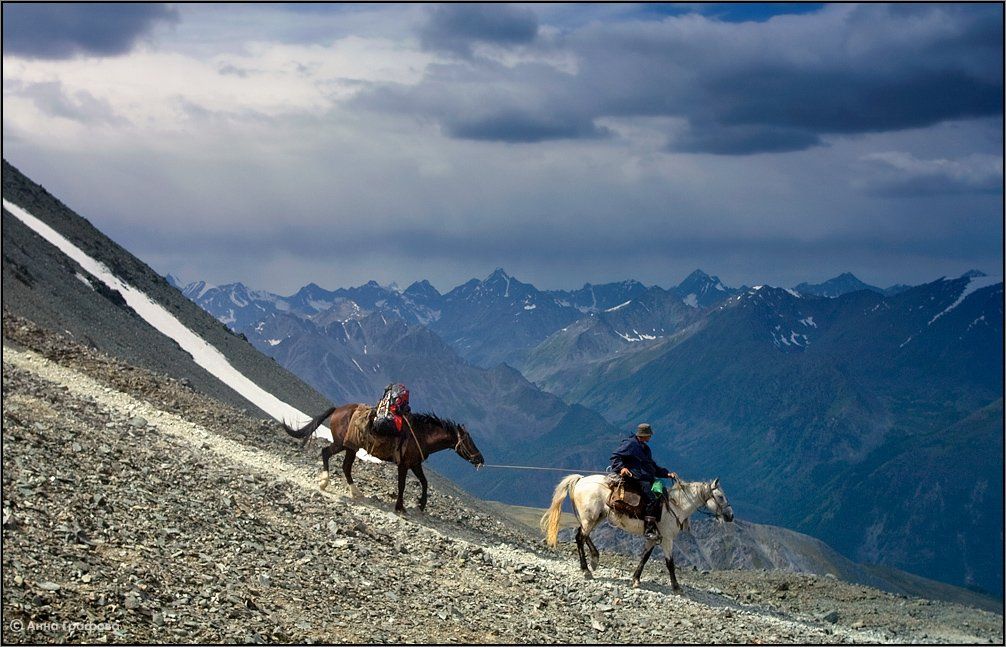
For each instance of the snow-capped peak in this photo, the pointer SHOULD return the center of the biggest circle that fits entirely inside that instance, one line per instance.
(499, 277)
(498, 273)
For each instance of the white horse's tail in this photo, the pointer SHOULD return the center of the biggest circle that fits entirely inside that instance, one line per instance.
(550, 520)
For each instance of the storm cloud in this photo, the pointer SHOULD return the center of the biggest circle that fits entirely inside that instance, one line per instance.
(64, 30)
(743, 88)
(457, 27)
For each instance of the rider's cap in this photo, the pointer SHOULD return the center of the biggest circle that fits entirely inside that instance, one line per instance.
(644, 430)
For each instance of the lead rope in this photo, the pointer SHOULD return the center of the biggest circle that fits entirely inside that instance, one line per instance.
(546, 469)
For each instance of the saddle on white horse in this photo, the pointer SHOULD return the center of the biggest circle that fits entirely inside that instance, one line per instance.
(626, 497)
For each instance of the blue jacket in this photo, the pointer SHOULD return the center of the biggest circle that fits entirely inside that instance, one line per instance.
(636, 457)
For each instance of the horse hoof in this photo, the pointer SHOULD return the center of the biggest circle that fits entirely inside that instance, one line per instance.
(354, 492)
(587, 575)
(635, 584)
(323, 481)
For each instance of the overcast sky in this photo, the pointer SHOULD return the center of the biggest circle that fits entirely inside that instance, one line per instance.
(282, 144)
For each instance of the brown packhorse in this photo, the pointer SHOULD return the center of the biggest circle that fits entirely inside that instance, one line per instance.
(424, 434)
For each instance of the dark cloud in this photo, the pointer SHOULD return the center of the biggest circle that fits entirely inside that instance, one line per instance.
(508, 110)
(851, 101)
(742, 88)
(517, 126)
(65, 30)
(457, 27)
(778, 110)
(756, 11)
(742, 140)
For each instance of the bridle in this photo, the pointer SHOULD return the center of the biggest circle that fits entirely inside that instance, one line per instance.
(461, 445)
(707, 494)
(721, 510)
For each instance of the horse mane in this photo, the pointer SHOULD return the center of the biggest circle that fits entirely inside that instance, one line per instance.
(431, 419)
(682, 485)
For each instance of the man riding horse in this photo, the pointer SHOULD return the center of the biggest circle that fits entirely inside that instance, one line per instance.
(632, 460)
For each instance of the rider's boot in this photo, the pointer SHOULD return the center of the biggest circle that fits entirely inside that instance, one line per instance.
(650, 528)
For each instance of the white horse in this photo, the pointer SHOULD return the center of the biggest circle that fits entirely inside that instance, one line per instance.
(590, 505)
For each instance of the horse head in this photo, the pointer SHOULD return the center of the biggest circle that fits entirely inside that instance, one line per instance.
(466, 448)
(717, 503)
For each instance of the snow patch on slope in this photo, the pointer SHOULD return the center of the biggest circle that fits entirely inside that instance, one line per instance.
(639, 336)
(975, 283)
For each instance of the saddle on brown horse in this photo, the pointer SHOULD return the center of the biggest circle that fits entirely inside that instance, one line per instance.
(361, 433)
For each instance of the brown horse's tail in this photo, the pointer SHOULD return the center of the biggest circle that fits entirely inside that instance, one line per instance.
(550, 520)
(306, 431)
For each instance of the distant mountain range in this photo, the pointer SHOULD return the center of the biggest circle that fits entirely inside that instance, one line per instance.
(470, 318)
(498, 319)
(501, 319)
(804, 398)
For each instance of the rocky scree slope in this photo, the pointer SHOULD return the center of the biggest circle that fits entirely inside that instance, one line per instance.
(131, 500)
